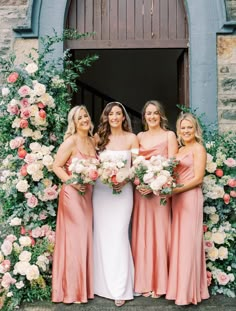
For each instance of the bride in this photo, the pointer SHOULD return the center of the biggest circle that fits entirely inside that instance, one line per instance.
(113, 264)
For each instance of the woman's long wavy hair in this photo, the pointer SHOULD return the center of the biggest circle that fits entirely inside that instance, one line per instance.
(191, 118)
(73, 119)
(104, 129)
(160, 109)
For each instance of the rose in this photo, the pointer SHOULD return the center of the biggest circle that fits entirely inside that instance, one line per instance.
(231, 182)
(17, 142)
(222, 278)
(40, 105)
(212, 253)
(31, 68)
(22, 186)
(25, 241)
(21, 153)
(32, 273)
(24, 91)
(32, 201)
(137, 181)
(114, 180)
(93, 175)
(19, 285)
(42, 114)
(25, 256)
(209, 244)
(7, 280)
(13, 109)
(5, 91)
(39, 89)
(230, 162)
(209, 278)
(12, 78)
(21, 267)
(214, 218)
(223, 253)
(219, 172)
(16, 221)
(23, 170)
(25, 113)
(218, 237)
(6, 247)
(24, 103)
(23, 123)
(233, 194)
(226, 198)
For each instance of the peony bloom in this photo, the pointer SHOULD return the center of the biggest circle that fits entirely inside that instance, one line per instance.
(39, 89)
(16, 221)
(7, 280)
(218, 237)
(214, 218)
(32, 201)
(25, 256)
(25, 241)
(21, 267)
(223, 253)
(32, 273)
(230, 162)
(22, 186)
(24, 91)
(12, 78)
(17, 142)
(5, 91)
(222, 278)
(6, 247)
(212, 253)
(31, 68)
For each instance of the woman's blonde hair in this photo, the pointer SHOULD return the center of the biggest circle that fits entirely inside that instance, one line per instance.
(160, 109)
(191, 118)
(73, 119)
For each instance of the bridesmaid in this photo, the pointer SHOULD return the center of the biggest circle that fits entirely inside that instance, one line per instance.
(151, 220)
(187, 278)
(72, 276)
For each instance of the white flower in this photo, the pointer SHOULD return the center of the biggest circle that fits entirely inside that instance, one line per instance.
(37, 135)
(214, 218)
(122, 174)
(32, 273)
(218, 237)
(223, 253)
(25, 256)
(15, 221)
(27, 132)
(6, 247)
(1, 257)
(35, 147)
(231, 277)
(33, 168)
(31, 68)
(21, 267)
(5, 91)
(209, 209)
(212, 253)
(39, 89)
(25, 241)
(9, 294)
(211, 167)
(22, 186)
(37, 175)
(19, 285)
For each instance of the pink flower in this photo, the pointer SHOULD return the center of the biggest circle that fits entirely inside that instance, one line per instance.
(23, 123)
(209, 244)
(23, 170)
(42, 114)
(222, 278)
(209, 278)
(7, 280)
(25, 113)
(43, 216)
(32, 201)
(12, 78)
(22, 230)
(93, 175)
(40, 105)
(21, 153)
(232, 182)
(6, 247)
(52, 137)
(17, 142)
(233, 194)
(114, 180)
(137, 181)
(6, 264)
(30, 158)
(226, 198)
(24, 91)
(50, 193)
(45, 230)
(11, 237)
(24, 103)
(37, 232)
(219, 172)
(205, 228)
(230, 162)
(13, 109)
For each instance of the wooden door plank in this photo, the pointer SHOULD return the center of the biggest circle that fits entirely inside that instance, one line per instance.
(97, 21)
(147, 19)
(172, 20)
(122, 16)
(164, 19)
(138, 19)
(105, 19)
(130, 19)
(89, 17)
(80, 15)
(156, 20)
(113, 19)
(72, 12)
(181, 22)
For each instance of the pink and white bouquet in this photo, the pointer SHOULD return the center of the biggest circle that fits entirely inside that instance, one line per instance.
(113, 170)
(84, 171)
(156, 174)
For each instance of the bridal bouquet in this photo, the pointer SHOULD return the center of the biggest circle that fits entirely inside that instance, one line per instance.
(156, 174)
(112, 170)
(84, 171)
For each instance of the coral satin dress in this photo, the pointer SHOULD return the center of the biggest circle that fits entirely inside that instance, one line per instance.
(151, 236)
(72, 276)
(187, 277)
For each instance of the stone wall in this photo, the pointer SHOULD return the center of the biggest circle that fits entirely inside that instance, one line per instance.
(226, 50)
(230, 9)
(12, 14)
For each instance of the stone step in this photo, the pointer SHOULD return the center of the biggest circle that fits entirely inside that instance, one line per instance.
(215, 303)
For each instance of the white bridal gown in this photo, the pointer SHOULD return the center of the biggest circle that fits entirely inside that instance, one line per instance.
(113, 263)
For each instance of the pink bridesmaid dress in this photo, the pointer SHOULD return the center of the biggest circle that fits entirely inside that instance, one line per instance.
(187, 276)
(72, 275)
(151, 227)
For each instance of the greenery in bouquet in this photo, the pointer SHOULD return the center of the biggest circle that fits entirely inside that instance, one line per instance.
(34, 103)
